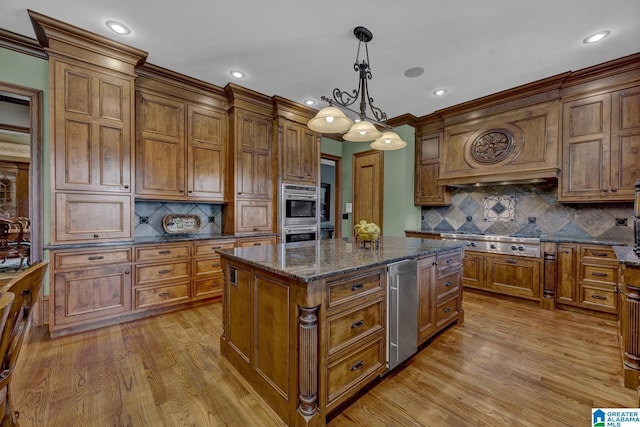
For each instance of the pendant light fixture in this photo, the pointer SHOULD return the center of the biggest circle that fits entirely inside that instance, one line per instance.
(333, 120)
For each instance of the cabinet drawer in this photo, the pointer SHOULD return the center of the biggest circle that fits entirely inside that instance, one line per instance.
(91, 258)
(354, 324)
(164, 252)
(347, 290)
(446, 311)
(447, 285)
(256, 241)
(448, 262)
(632, 276)
(354, 370)
(162, 295)
(210, 247)
(148, 274)
(601, 274)
(207, 266)
(209, 287)
(601, 298)
(598, 253)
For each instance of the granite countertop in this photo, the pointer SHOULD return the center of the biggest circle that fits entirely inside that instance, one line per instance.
(308, 261)
(549, 238)
(166, 238)
(626, 255)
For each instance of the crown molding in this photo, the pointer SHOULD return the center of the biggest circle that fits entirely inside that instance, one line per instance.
(22, 44)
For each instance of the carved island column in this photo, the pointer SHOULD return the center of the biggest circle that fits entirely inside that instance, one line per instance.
(631, 330)
(308, 361)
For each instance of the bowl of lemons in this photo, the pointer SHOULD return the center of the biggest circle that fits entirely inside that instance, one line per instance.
(367, 231)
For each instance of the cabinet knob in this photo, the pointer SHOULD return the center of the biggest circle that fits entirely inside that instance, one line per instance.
(190, 191)
(605, 190)
(127, 272)
(126, 187)
(614, 189)
(95, 236)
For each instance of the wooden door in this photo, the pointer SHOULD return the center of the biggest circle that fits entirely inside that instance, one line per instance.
(300, 154)
(625, 142)
(368, 177)
(254, 162)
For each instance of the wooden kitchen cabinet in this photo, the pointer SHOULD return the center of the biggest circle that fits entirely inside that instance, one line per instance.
(587, 277)
(252, 163)
(473, 270)
(300, 159)
(426, 298)
(599, 134)
(207, 272)
(630, 324)
(162, 275)
(92, 116)
(427, 191)
(515, 276)
(256, 241)
(439, 293)
(181, 141)
(89, 286)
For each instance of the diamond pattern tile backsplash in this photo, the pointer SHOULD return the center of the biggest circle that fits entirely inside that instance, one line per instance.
(148, 217)
(529, 210)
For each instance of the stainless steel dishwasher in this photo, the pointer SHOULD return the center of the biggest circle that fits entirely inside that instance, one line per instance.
(402, 313)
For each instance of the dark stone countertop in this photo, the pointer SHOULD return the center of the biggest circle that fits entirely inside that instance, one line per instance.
(627, 256)
(167, 238)
(548, 238)
(308, 261)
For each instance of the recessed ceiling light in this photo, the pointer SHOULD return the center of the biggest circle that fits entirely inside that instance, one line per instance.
(596, 37)
(118, 27)
(237, 74)
(309, 101)
(439, 92)
(414, 72)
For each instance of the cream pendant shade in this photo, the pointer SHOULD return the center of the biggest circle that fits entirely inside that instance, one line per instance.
(388, 141)
(362, 131)
(330, 120)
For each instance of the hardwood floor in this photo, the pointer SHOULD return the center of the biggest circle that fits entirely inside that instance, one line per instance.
(511, 363)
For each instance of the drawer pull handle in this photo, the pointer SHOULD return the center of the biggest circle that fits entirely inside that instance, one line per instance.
(511, 261)
(357, 287)
(216, 247)
(600, 297)
(358, 365)
(357, 324)
(598, 274)
(164, 294)
(448, 284)
(164, 271)
(599, 253)
(447, 310)
(95, 236)
(257, 244)
(95, 258)
(126, 272)
(164, 252)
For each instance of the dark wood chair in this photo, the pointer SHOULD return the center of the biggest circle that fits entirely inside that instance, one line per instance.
(13, 241)
(26, 287)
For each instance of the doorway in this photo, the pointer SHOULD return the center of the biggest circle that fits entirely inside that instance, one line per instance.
(330, 196)
(20, 95)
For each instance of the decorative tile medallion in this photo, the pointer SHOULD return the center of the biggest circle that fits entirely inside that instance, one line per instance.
(499, 208)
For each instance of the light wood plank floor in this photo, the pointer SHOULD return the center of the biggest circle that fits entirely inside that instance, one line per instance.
(510, 364)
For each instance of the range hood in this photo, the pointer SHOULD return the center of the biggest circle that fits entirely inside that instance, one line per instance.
(539, 176)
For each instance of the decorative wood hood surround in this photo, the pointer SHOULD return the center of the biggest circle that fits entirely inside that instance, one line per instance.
(519, 135)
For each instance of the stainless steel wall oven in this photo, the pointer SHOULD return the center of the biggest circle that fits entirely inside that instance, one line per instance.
(299, 208)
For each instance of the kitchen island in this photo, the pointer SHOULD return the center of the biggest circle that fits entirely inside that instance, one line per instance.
(306, 323)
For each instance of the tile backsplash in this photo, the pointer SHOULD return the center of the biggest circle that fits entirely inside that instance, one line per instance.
(529, 210)
(149, 214)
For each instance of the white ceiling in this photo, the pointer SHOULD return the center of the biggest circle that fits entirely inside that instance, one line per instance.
(302, 49)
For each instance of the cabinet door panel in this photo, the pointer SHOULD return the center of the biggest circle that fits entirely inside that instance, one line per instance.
(625, 141)
(92, 217)
(92, 146)
(513, 276)
(567, 272)
(426, 298)
(160, 147)
(206, 157)
(473, 270)
(91, 294)
(254, 216)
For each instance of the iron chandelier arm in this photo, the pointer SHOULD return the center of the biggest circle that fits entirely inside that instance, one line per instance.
(337, 104)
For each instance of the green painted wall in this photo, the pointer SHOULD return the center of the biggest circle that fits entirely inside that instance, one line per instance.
(399, 213)
(31, 72)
